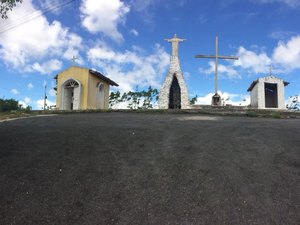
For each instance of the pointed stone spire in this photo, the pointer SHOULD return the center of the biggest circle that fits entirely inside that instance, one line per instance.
(174, 71)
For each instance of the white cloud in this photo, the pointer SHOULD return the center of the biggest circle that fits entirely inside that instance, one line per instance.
(186, 75)
(287, 54)
(23, 104)
(223, 71)
(32, 40)
(145, 9)
(39, 104)
(134, 32)
(30, 86)
(204, 100)
(74, 43)
(281, 35)
(252, 61)
(290, 3)
(285, 58)
(104, 16)
(27, 100)
(227, 98)
(142, 5)
(46, 67)
(131, 68)
(52, 92)
(51, 5)
(15, 91)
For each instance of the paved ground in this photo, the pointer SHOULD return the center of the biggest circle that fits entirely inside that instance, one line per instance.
(122, 168)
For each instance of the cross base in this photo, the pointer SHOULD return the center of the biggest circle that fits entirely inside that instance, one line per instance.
(216, 100)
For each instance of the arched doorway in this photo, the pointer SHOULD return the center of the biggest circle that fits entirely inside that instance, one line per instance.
(100, 96)
(70, 95)
(175, 95)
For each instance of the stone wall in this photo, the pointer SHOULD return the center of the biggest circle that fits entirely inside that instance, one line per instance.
(175, 70)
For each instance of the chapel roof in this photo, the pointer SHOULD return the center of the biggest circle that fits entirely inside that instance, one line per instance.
(98, 74)
(256, 81)
(102, 77)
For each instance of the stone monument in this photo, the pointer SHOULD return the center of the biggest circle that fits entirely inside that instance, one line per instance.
(174, 93)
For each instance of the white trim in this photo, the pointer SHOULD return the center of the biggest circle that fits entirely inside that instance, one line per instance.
(62, 93)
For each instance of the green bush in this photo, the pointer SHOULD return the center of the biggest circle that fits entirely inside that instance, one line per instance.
(275, 115)
(7, 105)
(251, 114)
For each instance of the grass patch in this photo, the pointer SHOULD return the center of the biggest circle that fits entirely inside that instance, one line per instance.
(276, 115)
(251, 114)
(205, 111)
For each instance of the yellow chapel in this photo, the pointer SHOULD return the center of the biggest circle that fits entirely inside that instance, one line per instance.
(81, 88)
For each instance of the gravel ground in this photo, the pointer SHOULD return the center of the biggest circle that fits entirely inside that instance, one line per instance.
(129, 168)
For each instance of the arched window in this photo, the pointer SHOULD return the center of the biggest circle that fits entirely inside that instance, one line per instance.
(100, 87)
(71, 84)
(100, 96)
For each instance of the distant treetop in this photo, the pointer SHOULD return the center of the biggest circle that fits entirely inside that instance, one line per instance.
(6, 5)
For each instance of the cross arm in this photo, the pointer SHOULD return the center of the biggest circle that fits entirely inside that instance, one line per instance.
(219, 57)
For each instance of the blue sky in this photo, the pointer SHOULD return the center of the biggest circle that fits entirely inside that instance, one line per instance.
(125, 41)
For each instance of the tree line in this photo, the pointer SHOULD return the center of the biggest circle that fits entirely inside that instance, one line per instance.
(7, 105)
(145, 99)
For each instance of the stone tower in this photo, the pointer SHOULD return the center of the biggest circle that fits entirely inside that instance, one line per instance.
(174, 94)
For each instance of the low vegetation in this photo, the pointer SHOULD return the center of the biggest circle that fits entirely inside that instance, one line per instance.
(8, 105)
(134, 99)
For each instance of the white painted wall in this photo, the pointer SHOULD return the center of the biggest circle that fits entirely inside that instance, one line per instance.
(258, 92)
(254, 97)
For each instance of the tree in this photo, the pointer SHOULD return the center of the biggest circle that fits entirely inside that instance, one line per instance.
(6, 5)
(193, 100)
(114, 98)
(135, 99)
(294, 102)
(149, 96)
(7, 105)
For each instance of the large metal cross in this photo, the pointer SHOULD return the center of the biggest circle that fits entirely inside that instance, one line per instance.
(216, 57)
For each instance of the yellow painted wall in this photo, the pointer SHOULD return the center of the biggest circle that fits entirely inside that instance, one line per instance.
(77, 73)
(106, 95)
(89, 84)
(93, 89)
(93, 81)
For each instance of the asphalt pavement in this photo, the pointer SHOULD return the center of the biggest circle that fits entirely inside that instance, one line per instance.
(140, 168)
